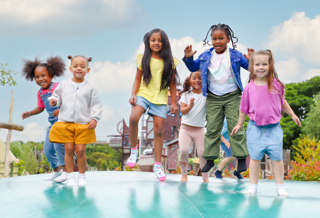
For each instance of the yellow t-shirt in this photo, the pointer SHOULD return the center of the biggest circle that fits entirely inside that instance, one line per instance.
(152, 92)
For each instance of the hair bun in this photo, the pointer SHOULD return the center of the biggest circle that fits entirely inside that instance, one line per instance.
(90, 59)
(70, 57)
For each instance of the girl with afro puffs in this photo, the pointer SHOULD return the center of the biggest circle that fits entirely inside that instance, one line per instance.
(43, 73)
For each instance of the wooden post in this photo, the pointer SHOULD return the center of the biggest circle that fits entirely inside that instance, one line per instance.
(7, 150)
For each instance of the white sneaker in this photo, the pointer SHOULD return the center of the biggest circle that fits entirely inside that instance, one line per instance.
(53, 176)
(82, 179)
(62, 178)
(282, 192)
(133, 158)
(71, 181)
(159, 173)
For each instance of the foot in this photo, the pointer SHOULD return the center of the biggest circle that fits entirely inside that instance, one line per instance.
(242, 165)
(133, 158)
(159, 173)
(184, 178)
(208, 166)
(252, 190)
(237, 174)
(62, 177)
(71, 181)
(206, 181)
(218, 174)
(53, 176)
(281, 191)
(82, 179)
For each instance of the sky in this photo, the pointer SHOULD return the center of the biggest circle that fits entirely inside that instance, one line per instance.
(111, 32)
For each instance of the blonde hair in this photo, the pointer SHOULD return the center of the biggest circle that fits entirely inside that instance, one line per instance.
(272, 72)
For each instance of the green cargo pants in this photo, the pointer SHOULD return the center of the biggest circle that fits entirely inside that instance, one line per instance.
(219, 107)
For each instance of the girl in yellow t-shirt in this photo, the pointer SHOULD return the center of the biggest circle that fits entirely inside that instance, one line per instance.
(156, 71)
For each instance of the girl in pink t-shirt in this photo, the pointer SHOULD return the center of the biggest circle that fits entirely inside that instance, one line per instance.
(43, 74)
(263, 100)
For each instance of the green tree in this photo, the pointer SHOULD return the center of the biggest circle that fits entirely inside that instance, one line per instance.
(6, 76)
(300, 98)
(312, 123)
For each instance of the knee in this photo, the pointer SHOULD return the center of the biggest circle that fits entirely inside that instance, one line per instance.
(158, 131)
(81, 152)
(69, 150)
(134, 120)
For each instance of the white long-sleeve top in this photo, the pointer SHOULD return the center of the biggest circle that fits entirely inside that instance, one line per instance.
(77, 106)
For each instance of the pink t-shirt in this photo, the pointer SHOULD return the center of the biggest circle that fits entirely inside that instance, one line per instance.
(44, 91)
(262, 106)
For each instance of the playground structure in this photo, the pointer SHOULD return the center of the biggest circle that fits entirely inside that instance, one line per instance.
(10, 127)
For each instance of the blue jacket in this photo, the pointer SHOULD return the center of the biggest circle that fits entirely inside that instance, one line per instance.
(202, 63)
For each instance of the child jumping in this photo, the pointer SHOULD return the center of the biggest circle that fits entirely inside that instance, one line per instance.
(221, 84)
(193, 109)
(225, 145)
(43, 73)
(156, 71)
(80, 111)
(263, 100)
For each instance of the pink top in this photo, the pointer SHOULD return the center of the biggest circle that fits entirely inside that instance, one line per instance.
(262, 106)
(44, 91)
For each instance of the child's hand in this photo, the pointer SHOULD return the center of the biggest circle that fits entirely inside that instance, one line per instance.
(296, 119)
(188, 51)
(92, 124)
(26, 115)
(236, 129)
(191, 102)
(227, 144)
(53, 101)
(173, 108)
(250, 52)
(56, 113)
(133, 100)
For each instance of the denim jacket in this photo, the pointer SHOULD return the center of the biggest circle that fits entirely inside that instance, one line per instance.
(237, 60)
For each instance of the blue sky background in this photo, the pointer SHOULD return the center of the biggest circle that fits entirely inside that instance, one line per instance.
(111, 32)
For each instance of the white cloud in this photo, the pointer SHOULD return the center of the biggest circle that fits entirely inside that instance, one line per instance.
(107, 113)
(298, 37)
(67, 18)
(312, 72)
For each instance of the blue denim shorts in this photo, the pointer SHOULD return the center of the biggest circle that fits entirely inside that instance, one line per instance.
(159, 110)
(226, 150)
(265, 140)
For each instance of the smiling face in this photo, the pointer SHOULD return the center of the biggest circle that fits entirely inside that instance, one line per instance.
(42, 77)
(79, 69)
(220, 41)
(195, 82)
(155, 42)
(261, 66)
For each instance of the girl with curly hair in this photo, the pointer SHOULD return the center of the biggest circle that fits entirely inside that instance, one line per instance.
(43, 73)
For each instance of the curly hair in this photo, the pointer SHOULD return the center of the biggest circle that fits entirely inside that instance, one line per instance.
(226, 29)
(88, 59)
(187, 84)
(55, 66)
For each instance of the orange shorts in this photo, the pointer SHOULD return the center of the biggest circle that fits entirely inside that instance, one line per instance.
(62, 132)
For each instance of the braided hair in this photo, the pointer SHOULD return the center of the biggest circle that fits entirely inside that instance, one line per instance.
(229, 32)
(55, 66)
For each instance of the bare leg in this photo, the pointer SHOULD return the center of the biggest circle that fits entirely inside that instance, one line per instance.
(135, 115)
(68, 158)
(57, 169)
(278, 177)
(225, 162)
(82, 158)
(254, 169)
(158, 137)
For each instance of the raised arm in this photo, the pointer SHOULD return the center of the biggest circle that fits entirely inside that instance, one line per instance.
(192, 65)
